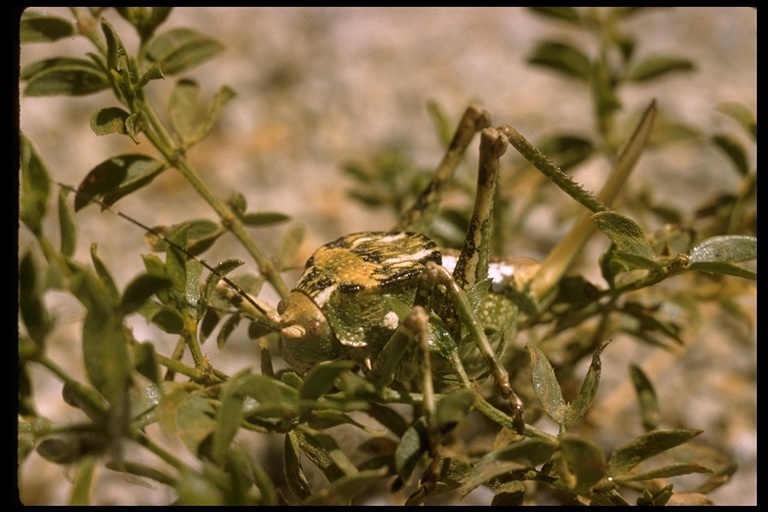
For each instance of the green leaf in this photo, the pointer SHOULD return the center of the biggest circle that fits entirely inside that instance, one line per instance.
(181, 49)
(31, 305)
(344, 489)
(260, 219)
(26, 407)
(734, 151)
(91, 291)
(646, 397)
(192, 285)
(82, 481)
(195, 420)
(657, 498)
(294, 474)
(61, 450)
(153, 73)
(67, 226)
(727, 269)
(43, 28)
(118, 64)
(141, 289)
(117, 177)
(144, 401)
(167, 318)
(222, 97)
(146, 362)
(519, 455)
(664, 472)
(111, 294)
(181, 109)
(272, 395)
(412, 446)
(145, 20)
(228, 417)
(325, 453)
(583, 401)
(546, 386)
(259, 476)
(742, 115)
(220, 270)
(727, 248)
(585, 459)
(453, 408)
(629, 238)
(63, 76)
(35, 186)
(563, 58)
(604, 88)
(629, 455)
(227, 328)
(388, 417)
(196, 489)
(105, 353)
(174, 394)
(320, 379)
(135, 124)
(195, 236)
(656, 66)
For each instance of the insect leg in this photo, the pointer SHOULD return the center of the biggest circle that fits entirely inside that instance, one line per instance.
(472, 324)
(472, 265)
(419, 215)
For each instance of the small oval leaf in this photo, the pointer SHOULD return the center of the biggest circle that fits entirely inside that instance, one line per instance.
(656, 66)
(261, 219)
(727, 248)
(546, 386)
(64, 76)
(35, 186)
(629, 455)
(109, 120)
(562, 57)
(42, 28)
(181, 49)
(629, 238)
(646, 397)
(141, 289)
(116, 178)
(735, 152)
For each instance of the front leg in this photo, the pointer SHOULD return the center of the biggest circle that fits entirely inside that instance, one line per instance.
(472, 265)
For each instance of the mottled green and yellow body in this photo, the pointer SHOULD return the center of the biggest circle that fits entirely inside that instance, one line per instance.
(342, 306)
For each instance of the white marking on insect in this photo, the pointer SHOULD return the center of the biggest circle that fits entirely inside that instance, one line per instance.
(383, 239)
(407, 260)
(391, 321)
(322, 297)
(503, 274)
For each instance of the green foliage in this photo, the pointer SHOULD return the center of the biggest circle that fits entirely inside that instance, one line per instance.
(130, 385)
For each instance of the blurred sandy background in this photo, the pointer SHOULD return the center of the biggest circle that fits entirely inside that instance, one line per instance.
(318, 87)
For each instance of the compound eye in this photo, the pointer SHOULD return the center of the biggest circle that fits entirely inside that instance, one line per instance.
(282, 305)
(315, 328)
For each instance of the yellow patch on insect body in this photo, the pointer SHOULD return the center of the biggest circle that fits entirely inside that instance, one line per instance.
(342, 300)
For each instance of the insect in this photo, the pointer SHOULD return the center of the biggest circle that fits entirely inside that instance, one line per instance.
(356, 292)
